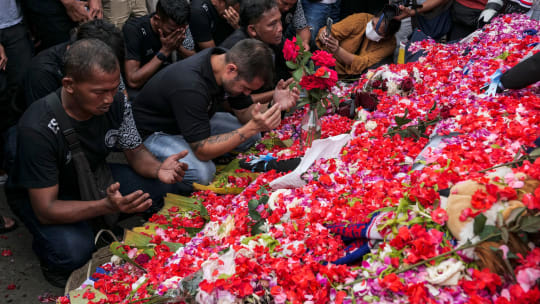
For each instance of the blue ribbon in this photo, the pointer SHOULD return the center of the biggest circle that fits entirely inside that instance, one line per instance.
(263, 158)
(495, 83)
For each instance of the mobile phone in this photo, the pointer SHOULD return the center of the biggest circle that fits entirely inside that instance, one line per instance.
(329, 23)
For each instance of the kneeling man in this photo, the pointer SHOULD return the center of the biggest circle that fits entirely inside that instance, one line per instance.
(51, 201)
(176, 110)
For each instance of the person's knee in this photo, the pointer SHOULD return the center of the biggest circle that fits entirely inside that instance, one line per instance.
(200, 172)
(73, 253)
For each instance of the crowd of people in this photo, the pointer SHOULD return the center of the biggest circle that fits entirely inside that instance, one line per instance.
(174, 85)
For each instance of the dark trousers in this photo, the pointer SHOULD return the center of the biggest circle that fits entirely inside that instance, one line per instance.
(50, 28)
(18, 50)
(64, 248)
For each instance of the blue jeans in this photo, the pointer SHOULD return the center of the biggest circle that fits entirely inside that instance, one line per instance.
(316, 14)
(163, 145)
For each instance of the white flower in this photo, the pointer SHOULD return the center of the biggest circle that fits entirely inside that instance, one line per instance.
(116, 260)
(223, 265)
(272, 199)
(447, 273)
(226, 227)
(371, 125)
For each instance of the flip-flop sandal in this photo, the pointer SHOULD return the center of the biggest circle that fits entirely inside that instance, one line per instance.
(3, 228)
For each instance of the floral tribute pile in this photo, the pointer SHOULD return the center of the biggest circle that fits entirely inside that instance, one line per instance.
(275, 246)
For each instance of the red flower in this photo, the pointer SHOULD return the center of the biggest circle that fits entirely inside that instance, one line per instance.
(407, 84)
(391, 282)
(290, 49)
(316, 81)
(11, 286)
(439, 216)
(322, 58)
(417, 293)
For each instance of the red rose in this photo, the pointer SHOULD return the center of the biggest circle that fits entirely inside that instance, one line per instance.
(376, 84)
(407, 84)
(322, 58)
(290, 50)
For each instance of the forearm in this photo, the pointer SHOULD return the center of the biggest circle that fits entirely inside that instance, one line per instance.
(217, 145)
(263, 98)
(185, 52)
(305, 34)
(136, 78)
(143, 162)
(65, 212)
(245, 115)
(344, 57)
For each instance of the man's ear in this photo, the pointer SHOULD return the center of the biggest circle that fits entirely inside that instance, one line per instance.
(68, 84)
(231, 68)
(251, 31)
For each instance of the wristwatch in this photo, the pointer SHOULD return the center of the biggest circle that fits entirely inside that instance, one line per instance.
(161, 56)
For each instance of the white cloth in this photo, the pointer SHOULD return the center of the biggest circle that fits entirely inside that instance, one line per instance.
(322, 148)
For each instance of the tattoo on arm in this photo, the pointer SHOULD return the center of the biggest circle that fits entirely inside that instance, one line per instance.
(217, 139)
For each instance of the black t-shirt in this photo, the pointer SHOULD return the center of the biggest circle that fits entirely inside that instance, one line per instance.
(45, 6)
(43, 156)
(181, 99)
(238, 35)
(142, 43)
(206, 24)
(45, 73)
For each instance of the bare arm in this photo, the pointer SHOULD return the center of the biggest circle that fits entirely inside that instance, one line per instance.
(145, 164)
(206, 44)
(50, 210)
(137, 76)
(305, 34)
(217, 145)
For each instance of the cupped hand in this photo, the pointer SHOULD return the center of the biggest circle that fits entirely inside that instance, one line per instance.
(171, 170)
(134, 202)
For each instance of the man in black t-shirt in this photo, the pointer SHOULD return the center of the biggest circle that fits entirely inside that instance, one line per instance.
(151, 39)
(176, 109)
(261, 19)
(50, 203)
(47, 68)
(212, 21)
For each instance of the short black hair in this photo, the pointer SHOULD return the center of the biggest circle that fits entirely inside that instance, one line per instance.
(251, 11)
(176, 10)
(253, 58)
(86, 55)
(391, 25)
(106, 32)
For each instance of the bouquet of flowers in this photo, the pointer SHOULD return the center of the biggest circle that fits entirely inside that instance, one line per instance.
(401, 82)
(313, 73)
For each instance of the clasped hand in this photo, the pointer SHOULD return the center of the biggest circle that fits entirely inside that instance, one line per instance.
(284, 96)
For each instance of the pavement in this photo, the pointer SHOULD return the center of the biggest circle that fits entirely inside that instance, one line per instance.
(21, 268)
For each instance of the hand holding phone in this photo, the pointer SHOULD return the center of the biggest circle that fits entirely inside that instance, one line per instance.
(329, 23)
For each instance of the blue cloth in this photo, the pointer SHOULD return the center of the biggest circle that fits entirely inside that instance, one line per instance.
(316, 14)
(10, 13)
(163, 145)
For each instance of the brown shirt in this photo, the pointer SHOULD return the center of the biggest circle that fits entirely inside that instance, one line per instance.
(350, 32)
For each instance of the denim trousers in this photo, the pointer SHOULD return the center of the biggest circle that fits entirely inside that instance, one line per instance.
(163, 145)
(316, 14)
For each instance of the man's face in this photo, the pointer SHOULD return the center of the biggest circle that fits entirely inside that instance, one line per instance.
(234, 85)
(268, 29)
(95, 94)
(286, 5)
(168, 26)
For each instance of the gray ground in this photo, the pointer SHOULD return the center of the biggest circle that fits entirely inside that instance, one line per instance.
(22, 267)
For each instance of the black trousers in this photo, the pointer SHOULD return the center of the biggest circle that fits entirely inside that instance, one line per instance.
(50, 28)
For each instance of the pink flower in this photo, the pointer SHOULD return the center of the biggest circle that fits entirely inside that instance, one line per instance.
(322, 58)
(527, 278)
(439, 216)
(290, 49)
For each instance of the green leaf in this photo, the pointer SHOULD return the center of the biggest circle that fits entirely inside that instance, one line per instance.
(252, 204)
(530, 224)
(400, 121)
(488, 230)
(173, 246)
(479, 223)
(307, 56)
(504, 235)
(535, 153)
(291, 65)
(257, 228)
(495, 146)
(297, 74)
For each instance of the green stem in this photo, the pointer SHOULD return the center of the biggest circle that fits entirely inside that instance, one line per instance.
(462, 247)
